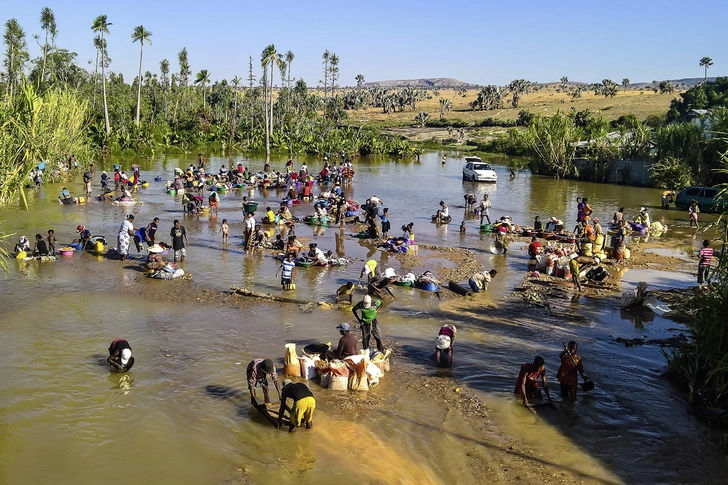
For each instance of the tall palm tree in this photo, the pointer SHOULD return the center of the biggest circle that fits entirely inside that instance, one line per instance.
(707, 62)
(334, 68)
(326, 57)
(47, 23)
(140, 35)
(270, 58)
(203, 79)
(101, 24)
(236, 84)
(290, 56)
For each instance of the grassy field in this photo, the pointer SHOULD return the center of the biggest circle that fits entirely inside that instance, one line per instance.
(546, 101)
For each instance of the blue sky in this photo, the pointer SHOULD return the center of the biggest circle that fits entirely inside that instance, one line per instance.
(482, 42)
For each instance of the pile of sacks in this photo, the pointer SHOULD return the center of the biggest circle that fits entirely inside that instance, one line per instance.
(356, 372)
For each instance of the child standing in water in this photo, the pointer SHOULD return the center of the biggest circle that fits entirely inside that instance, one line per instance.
(51, 242)
(224, 228)
(385, 223)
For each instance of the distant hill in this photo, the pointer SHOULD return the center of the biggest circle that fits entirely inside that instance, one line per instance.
(428, 83)
(451, 83)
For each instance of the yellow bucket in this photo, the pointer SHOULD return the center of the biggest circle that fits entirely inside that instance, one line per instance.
(21, 255)
(81, 200)
(98, 246)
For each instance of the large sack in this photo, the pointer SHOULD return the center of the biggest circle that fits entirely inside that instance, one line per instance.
(308, 368)
(291, 367)
(339, 383)
(358, 377)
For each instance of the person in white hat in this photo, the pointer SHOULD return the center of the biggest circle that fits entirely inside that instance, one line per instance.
(443, 345)
(368, 321)
(120, 357)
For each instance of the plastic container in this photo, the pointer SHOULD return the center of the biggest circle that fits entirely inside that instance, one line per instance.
(250, 207)
(117, 167)
(66, 252)
(157, 179)
(430, 286)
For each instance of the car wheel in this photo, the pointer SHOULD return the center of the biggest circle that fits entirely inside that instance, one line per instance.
(465, 179)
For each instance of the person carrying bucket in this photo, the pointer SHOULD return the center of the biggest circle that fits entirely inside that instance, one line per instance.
(368, 321)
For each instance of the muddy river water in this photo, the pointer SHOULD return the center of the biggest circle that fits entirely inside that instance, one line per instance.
(65, 419)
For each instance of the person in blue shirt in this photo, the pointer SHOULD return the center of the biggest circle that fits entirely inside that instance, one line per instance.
(286, 271)
(84, 236)
(385, 222)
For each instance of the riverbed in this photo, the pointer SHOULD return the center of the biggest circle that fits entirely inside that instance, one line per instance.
(182, 414)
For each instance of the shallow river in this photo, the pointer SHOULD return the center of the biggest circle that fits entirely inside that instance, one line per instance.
(65, 419)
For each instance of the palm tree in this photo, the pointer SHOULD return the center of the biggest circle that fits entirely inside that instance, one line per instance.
(101, 25)
(334, 61)
(270, 57)
(98, 45)
(707, 62)
(236, 84)
(141, 35)
(203, 79)
(326, 57)
(289, 57)
(47, 23)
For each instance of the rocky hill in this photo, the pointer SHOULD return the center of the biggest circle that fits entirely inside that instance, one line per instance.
(429, 83)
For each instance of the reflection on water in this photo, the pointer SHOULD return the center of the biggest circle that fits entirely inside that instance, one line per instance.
(65, 418)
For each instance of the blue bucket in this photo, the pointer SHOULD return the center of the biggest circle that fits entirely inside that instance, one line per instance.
(429, 286)
(157, 179)
(117, 167)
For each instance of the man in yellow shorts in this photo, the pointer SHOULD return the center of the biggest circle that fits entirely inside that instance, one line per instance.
(303, 405)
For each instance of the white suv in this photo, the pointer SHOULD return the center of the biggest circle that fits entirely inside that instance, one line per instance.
(476, 170)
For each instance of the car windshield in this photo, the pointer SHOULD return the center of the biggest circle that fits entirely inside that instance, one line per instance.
(481, 166)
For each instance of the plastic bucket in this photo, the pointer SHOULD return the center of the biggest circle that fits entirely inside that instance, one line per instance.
(117, 167)
(157, 179)
(429, 286)
(250, 207)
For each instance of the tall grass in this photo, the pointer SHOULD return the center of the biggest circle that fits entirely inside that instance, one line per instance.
(551, 144)
(35, 129)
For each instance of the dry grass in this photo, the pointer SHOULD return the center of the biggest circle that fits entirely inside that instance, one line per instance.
(546, 102)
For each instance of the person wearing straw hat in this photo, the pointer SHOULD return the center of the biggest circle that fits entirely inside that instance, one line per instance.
(303, 407)
(368, 321)
(120, 357)
(257, 374)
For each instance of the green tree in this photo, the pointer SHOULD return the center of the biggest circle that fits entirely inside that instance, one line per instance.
(47, 23)
(518, 88)
(625, 83)
(666, 87)
(422, 118)
(564, 82)
(140, 35)
(203, 79)
(706, 62)
(101, 25)
(445, 105)
(16, 55)
(359, 80)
